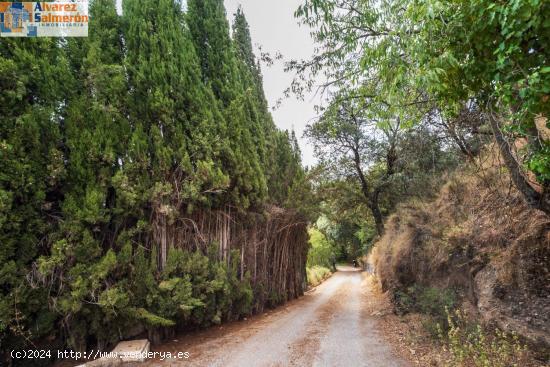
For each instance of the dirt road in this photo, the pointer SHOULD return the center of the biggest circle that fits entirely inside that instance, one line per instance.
(327, 327)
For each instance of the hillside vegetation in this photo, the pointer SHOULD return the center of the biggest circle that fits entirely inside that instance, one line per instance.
(321, 257)
(145, 189)
(477, 247)
(434, 149)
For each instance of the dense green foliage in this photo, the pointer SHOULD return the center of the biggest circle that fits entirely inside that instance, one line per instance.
(107, 142)
(415, 88)
(471, 344)
(104, 140)
(493, 52)
(322, 252)
(459, 70)
(32, 169)
(431, 301)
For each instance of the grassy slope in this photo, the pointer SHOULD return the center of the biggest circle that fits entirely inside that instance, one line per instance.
(479, 239)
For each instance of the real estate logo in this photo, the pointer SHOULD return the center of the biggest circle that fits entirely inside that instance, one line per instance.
(44, 19)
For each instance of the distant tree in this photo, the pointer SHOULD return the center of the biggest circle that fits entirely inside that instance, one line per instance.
(322, 251)
(352, 142)
(450, 55)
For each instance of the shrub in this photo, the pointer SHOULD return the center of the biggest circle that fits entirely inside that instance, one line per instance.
(317, 274)
(471, 345)
(429, 301)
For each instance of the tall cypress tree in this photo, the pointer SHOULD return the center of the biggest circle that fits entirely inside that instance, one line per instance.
(174, 113)
(95, 133)
(220, 70)
(243, 40)
(245, 53)
(261, 122)
(32, 86)
(100, 135)
(210, 32)
(279, 151)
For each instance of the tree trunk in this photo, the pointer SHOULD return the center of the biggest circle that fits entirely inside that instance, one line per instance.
(535, 199)
(377, 214)
(372, 200)
(462, 145)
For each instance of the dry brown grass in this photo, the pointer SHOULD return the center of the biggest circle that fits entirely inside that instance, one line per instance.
(480, 238)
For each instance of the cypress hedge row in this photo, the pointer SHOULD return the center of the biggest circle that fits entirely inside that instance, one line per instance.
(114, 149)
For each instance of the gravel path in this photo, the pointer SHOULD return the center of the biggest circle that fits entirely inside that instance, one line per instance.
(327, 327)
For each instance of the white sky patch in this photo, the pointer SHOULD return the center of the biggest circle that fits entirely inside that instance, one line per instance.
(273, 26)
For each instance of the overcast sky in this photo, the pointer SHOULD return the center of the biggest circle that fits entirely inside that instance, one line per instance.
(273, 26)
